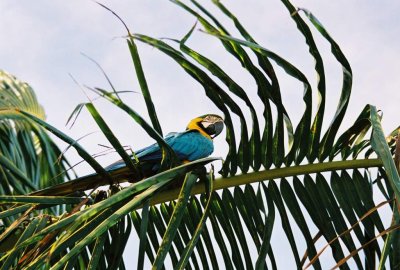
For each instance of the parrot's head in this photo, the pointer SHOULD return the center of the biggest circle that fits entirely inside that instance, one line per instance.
(209, 125)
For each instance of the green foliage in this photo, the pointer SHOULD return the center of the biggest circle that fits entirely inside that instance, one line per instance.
(316, 181)
(28, 156)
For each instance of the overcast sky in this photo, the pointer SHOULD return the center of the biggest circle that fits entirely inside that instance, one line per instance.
(42, 41)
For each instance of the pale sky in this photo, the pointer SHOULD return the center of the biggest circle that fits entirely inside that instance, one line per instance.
(42, 41)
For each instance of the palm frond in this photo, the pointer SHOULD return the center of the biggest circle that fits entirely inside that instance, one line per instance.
(332, 201)
(28, 156)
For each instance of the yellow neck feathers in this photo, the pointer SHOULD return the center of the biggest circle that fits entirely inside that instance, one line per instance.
(194, 125)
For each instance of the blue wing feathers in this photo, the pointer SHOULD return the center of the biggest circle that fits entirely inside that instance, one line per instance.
(189, 145)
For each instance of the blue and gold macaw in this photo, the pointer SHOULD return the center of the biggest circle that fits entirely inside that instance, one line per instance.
(194, 143)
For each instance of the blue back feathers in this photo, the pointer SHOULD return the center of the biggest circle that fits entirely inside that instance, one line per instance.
(188, 145)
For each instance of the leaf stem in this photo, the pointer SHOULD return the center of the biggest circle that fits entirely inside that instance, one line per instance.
(259, 176)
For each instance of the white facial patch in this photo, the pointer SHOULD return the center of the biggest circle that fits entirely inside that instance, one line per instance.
(205, 123)
(210, 119)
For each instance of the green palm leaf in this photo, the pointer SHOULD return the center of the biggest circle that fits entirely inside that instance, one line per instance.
(315, 194)
(28, 157)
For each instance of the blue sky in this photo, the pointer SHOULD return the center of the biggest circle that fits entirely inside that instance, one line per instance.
(42, 42)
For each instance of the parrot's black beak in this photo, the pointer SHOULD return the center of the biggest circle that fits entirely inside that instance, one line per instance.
(215, 129)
